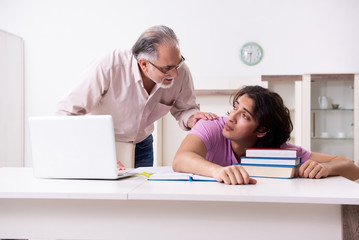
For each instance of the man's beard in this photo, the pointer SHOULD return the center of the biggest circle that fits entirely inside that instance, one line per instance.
(162, 85)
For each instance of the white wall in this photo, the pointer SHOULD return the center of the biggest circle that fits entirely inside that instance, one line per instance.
(11, 100)
(63, 36)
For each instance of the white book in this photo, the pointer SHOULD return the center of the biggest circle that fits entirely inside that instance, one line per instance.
(272, 152)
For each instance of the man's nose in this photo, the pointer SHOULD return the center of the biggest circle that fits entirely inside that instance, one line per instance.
(232, 117)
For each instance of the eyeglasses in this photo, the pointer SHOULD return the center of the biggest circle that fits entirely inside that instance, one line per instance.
(166, 69)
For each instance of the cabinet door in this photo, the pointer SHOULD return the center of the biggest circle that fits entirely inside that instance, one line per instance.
(12, 100)
(332, 114)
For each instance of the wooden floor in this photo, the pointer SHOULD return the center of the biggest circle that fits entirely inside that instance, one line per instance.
(350, 218)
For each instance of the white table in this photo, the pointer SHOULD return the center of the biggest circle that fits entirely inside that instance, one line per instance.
(134, 208)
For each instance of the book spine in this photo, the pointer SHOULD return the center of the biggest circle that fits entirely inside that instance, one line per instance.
(272, 177)
(269, 156)
(272, 152)
(269, 165)
(274, 158)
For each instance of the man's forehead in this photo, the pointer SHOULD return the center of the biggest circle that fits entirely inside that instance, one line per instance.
(246, 103)
(168, 52)
(245, 99)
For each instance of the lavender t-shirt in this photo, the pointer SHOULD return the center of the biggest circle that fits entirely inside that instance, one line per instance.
(219, 149)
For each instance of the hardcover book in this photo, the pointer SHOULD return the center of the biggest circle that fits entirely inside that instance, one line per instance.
(270, 171)
(270, 161)
(272, 152)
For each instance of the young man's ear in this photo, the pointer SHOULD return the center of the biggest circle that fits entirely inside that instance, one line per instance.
(261, 132)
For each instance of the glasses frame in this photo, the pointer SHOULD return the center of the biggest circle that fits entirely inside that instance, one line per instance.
(171, 67)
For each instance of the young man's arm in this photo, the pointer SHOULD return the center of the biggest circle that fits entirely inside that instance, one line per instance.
(191, 158)
(321, 165)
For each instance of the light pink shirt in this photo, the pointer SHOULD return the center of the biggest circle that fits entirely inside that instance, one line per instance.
(113, 85)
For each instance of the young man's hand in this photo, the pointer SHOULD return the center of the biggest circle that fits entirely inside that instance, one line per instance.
(313, 169)
(233, 175)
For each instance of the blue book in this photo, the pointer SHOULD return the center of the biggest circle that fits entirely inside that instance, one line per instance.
(178, 176)
(270, 161)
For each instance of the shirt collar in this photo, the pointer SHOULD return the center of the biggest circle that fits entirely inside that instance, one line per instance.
(136, 70)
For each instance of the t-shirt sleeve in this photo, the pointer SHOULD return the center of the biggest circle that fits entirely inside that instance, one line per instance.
(207, 131)
(303, 153)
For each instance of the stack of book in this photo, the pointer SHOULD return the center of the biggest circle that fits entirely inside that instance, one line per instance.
(271, 162)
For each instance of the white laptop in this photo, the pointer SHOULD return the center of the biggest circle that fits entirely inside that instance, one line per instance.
(75, 147)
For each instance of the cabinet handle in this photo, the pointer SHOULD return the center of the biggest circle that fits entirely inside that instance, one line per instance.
(313, 124)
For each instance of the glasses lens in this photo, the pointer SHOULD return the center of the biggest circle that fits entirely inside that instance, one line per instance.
(165, 70)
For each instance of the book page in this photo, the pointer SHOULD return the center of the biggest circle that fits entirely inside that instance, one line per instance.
(203, 178)
(171, 176)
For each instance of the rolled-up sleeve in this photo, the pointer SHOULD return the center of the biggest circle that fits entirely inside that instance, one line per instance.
(87, 94)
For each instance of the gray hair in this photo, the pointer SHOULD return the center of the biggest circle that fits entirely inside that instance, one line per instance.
(146, 45)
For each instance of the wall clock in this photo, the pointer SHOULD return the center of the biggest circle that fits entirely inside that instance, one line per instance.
(251, 53)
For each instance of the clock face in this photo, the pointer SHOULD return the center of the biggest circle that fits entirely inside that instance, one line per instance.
(251, 53)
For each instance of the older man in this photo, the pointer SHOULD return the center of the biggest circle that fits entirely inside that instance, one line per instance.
(137, 87)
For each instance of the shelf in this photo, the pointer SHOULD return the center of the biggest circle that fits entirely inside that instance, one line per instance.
(332, 77)
(331, 109)
(282, 78)
(332, 138)
(215, 92)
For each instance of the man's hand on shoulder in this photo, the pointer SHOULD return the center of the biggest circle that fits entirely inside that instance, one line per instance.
(200, 115)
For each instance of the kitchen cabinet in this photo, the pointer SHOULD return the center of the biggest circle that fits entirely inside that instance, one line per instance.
(331, 111)
(328, 127)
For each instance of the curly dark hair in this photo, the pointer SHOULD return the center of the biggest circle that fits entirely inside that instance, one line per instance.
(271, 115)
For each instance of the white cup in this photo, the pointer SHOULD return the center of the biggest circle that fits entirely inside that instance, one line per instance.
(340, 134)
(324, 134)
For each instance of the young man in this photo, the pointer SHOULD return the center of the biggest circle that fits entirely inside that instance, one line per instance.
(137, 87)
(258, 119)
